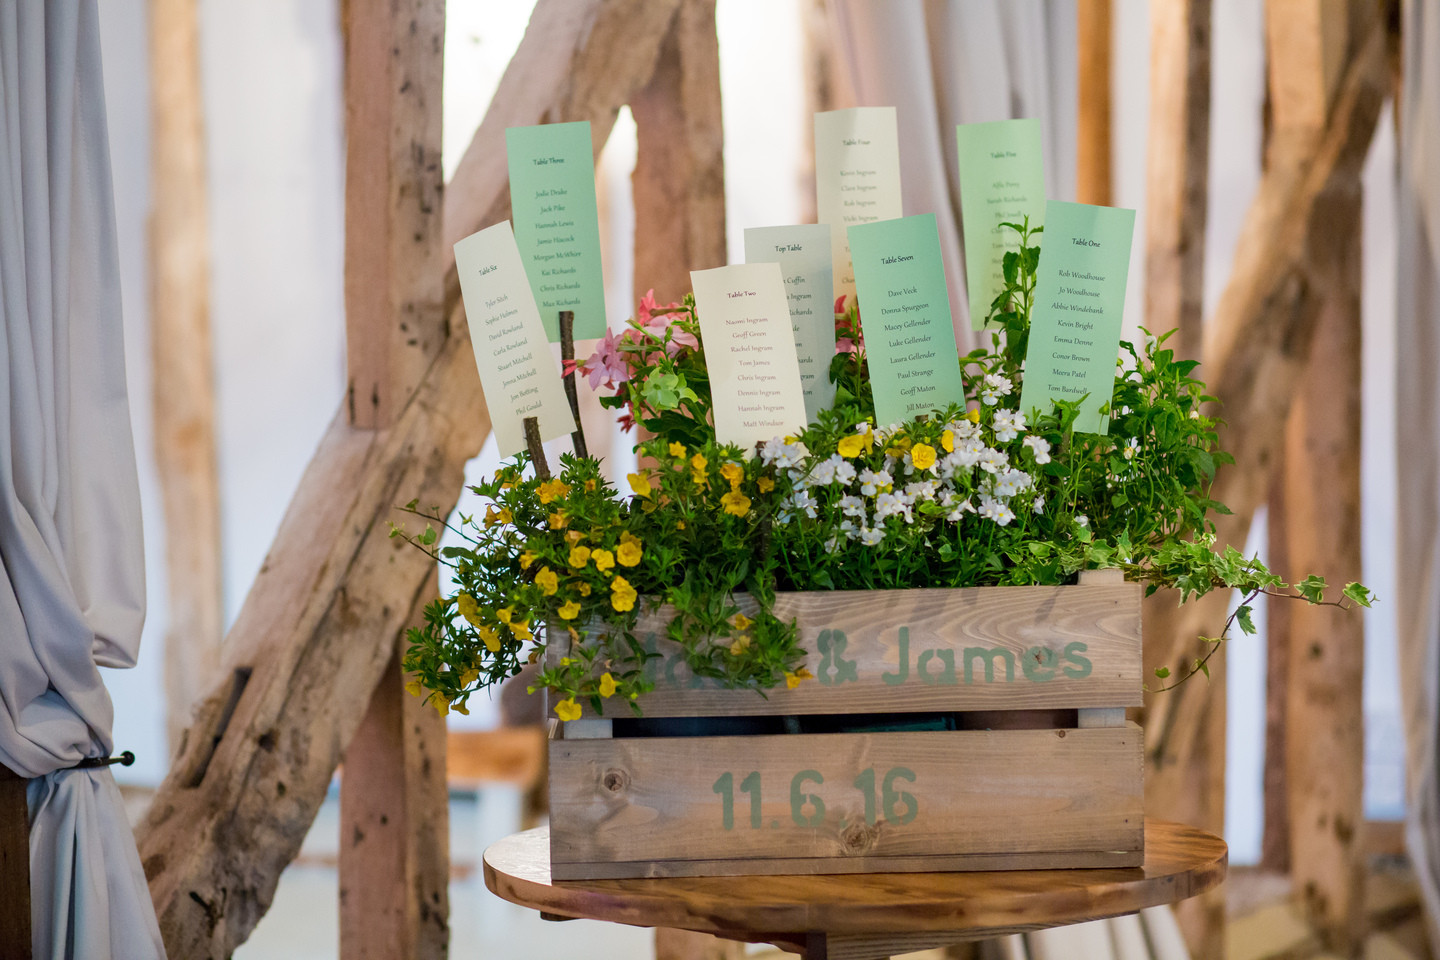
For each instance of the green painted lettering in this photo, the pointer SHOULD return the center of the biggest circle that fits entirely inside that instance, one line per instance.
(946, 675)
(1038, 664)
(832, 644)
(903, 673)
(725, 786)
(987, 656)
(799, 800)
(1082, 665)
(893, 798)
(751, 785)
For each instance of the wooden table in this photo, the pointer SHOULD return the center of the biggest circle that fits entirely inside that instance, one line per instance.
(865, 916)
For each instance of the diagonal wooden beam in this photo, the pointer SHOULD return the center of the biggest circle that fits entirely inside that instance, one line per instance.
(319, 624)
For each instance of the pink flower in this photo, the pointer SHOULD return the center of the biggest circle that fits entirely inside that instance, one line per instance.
(840, 304)
(845, 345)
(657, 325)
(608, 363)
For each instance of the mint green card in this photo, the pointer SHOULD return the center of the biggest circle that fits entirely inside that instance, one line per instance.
(804, 254)
(905, 317)
(557, 225)
(1002, 180)
(1079, 307)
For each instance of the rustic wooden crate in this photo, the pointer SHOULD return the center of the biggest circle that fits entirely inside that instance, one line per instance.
(1046, 772)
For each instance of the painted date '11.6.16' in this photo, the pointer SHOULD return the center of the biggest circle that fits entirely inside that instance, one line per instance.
(808, 810)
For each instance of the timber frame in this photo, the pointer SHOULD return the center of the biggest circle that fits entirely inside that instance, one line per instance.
(309, 673)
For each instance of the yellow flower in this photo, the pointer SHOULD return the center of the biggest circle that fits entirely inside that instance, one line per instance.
(607, 685)
(460, 708)
(947, 440)
(677, 450)
(522, 630)
(584, 589)
(547, 581)
(573, 537)
(973, 415)
(698, 462)
(733, 472)
(469, 608)
(568, 710)
(604, 559)
(504, 614)
(491, 637)
(922, 455)
(679, 524)
(622, 595)
(569, 610)
(765, 484)
(491, 517)
(628, 553)
(526, 558)
(469, 677)
(552, 490)
(441, 705)
(739, 646)
(640, 483)
(741, 622)
(413, 688)
(735, 503)
(579, 556)
(589, 486)
(558, 520)
(792, 680)
(852, 446)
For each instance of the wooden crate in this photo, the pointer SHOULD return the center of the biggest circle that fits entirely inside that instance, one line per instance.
(1042, 772)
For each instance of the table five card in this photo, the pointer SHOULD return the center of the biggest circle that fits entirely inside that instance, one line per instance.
(905, 317)
(857, 177)
(1002, 180)
(557, 226)
(1079, 307)
(754, 376)
(803, 253)
(517, 369)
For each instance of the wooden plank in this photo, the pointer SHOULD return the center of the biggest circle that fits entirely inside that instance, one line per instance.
(1176, 171)
(182, 363)
(1092, 156)
(897, 801)
(394, 316)
(877, 651)
(504, 755)
(679, 179)
(15, 943)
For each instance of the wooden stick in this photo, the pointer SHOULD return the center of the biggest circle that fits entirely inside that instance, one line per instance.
(567, 354)
(14, 867)
(536, 448)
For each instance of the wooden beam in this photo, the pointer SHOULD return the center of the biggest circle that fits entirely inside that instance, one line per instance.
(1275, 842)
(671, 944)
(679, 179)
(1256, 349)
(394, 319)
(394, 804)
(15, 940)
(1176, 171)
(1092, 157)
(182, 363)
(514, 755)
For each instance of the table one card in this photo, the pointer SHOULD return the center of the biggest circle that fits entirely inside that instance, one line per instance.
(1079, 308)
(905, 317)
(804, 255)
(857, 177)
(557, 223)
(518, 372)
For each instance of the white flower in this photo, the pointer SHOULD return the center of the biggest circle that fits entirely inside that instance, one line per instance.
(872, 483)
(1010, 482)
(844, 473)
(1039, 504)
(1150, 341)
(961, 508)
(1082, 521)
(870, 536)
(922, 490)
(994, 388)
(830, 545)
(967, 453)
(1040, 447)
(992, 509)
(849, 528)
(963, 429)
(852, 506)
(892, 505)
(1194, 414)
(804, 500)
(784, 455)
(826, 471)
(1008, 424)
(992, 461)
(1132, 447)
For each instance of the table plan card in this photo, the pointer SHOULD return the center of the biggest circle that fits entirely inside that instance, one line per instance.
(517, 369)
(905, 316)
(557, 226)
(754, 376)
(857, 177)
(1079, 307)
(1002, 180)
(803, 253)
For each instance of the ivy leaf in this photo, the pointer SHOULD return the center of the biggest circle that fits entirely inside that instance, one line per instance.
(1242, 616)
(1312, 588)
(428, 537)
(1162, 672)
(1203, 667)
(1359, 593)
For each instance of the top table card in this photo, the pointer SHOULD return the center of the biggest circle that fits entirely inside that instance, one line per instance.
(803, 253)
(1079, 308)
(857, 177)
(557, 224)
(1002, 180)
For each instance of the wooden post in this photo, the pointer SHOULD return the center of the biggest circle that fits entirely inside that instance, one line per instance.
(1177, 171)
(680, 169)
(687, 945)
(182, 362)
(1092, 166)
(14, 867)
(394, 803)
(1275, 842)
(1307, 42)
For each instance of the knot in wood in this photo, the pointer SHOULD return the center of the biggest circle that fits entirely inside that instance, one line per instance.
(615, 781)
(858, 837)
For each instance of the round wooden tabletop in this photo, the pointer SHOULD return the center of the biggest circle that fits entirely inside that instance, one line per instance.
(1180, 862)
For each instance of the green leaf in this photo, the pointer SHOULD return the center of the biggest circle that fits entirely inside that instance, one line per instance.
(1242, 616)
(1162, 672)
(428, 537)
(1359, 593)
(1312, 588)
(1203, 667)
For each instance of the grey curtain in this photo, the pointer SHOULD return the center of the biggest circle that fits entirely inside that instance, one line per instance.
(72, 591)
(1418, 424)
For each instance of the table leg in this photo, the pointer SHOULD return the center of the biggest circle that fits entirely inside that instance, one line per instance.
(671, 944)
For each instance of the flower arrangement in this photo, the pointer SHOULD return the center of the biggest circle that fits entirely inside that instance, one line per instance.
(980, 493)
